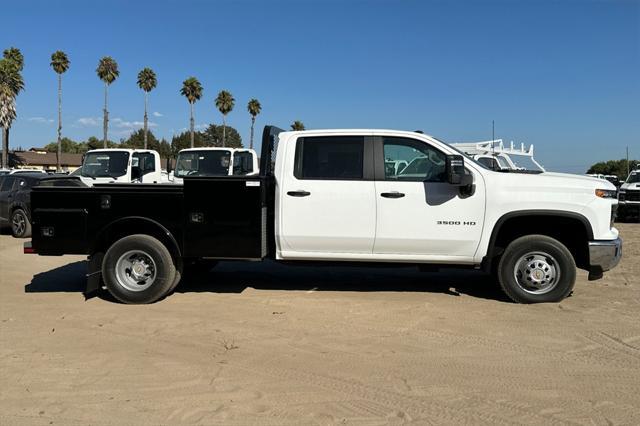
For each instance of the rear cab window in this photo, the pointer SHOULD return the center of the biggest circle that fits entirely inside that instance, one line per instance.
(330, 158)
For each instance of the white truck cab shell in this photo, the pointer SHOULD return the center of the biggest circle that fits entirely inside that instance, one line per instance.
(240, 161)
(116, 165)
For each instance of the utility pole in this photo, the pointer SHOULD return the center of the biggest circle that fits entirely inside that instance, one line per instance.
(627, 160)
(493, 136)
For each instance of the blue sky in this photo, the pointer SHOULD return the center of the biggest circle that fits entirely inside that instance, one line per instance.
(563, 75)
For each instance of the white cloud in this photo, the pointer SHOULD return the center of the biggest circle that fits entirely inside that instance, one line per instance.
(116, 123)
(41, 120)
(157, 114)
(89, 121)
(119, 123)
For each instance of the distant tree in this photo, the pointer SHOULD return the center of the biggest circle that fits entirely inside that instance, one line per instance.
(66, 145)
(613, 167)
(137, 140)
(95, 143)
(60, 64)
(11, 84)
(213, 135)
(164, 149)
(146, 81)
(297, 125)
(186, 140)
(225, 103)
(192, 90)
(254, 109)
(107, 72)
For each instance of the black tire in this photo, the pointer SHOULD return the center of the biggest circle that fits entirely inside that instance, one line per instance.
(163, 268)
(20, 224)
(553, 254)
(176, 281)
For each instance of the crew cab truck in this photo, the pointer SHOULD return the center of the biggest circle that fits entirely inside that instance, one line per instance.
(215, 161)
(629, 197)
(326, 196)
(116, 165)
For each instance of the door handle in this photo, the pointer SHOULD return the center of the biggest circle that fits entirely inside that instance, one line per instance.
(392, 194)
(298, 193)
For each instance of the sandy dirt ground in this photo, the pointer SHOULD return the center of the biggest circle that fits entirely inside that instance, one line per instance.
(269, 344)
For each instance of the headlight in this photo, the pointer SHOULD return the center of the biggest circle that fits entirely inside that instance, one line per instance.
(606, 193)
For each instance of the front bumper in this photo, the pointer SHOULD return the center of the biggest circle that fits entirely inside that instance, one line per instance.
(603, 256)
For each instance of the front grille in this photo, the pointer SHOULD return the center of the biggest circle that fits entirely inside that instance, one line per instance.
(614, 214)
(632, 196)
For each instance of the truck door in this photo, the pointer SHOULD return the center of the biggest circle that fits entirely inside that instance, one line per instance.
(328, 198)
(419, 213)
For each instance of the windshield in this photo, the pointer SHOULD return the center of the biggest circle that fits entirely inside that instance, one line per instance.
(105, 164)
(203, 163)
(633, 178)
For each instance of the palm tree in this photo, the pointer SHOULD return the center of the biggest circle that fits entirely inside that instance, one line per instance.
(225, 103)
(254, 109)
(297, 125)
(192, 90)
(107, 72)
(146, 81)
(14, 54)
(11, 83)
(60, 64)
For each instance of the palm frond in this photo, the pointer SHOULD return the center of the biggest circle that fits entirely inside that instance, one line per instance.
(254, 107)
(59, 62)
(191, 89)
(107, 69)
(147, 80)
(225, 102)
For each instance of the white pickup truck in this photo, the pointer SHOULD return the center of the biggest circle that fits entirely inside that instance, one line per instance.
(629, 196)
(215, 161)
(117, 165)
(331, 196)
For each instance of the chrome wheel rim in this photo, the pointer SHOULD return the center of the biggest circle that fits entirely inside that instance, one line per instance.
(537, 272)
(18, 223)
(135, 270)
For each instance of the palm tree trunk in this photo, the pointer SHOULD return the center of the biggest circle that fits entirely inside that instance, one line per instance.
(253, 121)
(59, 151)
(224, 130)
(146, 95)
(105, 120)
(192, 125)
(5, 148)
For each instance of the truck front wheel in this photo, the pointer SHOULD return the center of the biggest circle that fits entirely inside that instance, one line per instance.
(138, 269)
(536, 269)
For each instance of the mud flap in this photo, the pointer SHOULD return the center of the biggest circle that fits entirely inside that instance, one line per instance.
(94, 275)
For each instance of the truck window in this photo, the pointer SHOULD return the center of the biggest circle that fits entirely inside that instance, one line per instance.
(7, 183)
(242, 163)
(203, 163)
(424, 163)
(333, 157)
(105, 164)
(145, 161)
(490, 162)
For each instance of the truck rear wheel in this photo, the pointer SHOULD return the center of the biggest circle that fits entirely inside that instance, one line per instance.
(138, 269)
(536, 269)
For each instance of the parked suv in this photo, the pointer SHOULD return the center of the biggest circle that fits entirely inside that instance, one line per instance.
(15, 198)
